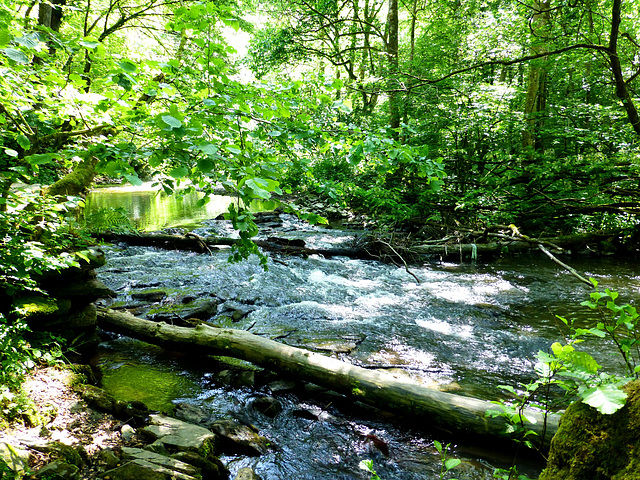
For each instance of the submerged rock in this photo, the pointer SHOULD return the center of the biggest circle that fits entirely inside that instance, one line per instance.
(592, 446)
(241, 439)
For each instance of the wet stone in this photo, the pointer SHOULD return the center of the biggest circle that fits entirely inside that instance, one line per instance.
(241, 439)
(266, 405)
(176, 435)
(247, 473)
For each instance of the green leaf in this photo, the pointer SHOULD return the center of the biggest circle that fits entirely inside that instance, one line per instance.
(127, 66)
(89, 44)
(233, 149)
(257, 186)
(179, 172)
(16, 55)
(173, 122)
(452, 463)
(5, 37)
(24, 142)
(208, 148)
(132, 179)
(11, 152)
(607, 399)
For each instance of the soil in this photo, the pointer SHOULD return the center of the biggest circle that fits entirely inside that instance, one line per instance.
(61, 416)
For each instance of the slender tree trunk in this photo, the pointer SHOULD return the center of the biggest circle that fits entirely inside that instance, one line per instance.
(622, 90)
(537, 74)
(392, 53)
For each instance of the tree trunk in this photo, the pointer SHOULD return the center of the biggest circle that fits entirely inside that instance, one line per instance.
(622, 91)
(431, 408)
(78, 180)
(537, 74)
(392, 54)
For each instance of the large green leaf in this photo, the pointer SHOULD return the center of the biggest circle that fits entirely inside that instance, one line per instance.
(607, 399)
(173, 122)
(16, 55)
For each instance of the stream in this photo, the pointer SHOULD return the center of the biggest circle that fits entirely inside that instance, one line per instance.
(464, 328)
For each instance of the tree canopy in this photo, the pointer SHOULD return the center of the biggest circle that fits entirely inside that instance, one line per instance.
(480, 113)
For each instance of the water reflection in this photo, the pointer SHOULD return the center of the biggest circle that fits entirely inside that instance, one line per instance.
(149, 208)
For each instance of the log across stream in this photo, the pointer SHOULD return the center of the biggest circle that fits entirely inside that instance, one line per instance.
(432, 408)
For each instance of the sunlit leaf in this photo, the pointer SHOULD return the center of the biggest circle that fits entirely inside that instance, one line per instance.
(173, 122)
(91, 45)
(607, 399)
(179, 172)
(133, 179)
(127, 66)
(24, 142)
(16, 55)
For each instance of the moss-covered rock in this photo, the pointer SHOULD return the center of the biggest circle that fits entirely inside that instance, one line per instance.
(592, 446)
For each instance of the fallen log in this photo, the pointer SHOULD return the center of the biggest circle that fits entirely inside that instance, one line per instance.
(202, 244)
(432, 408)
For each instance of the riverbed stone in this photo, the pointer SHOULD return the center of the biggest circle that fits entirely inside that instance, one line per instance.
(58, 470)
(139, 469)
(176, 435)
(267, 405)
(150, 295)
(247, 473)
(238, 438)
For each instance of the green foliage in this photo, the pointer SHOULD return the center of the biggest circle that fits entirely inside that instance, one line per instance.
(367, 465)
(447, 464)
(114, 220)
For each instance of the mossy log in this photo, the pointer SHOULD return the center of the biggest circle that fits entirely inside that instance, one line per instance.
(427, 407)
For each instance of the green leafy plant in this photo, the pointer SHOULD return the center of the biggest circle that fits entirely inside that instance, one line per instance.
(447, 464)
(109, 219)
(367, 465)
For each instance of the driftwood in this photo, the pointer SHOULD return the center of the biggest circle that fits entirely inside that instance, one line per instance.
(425, 406)
(203, 244)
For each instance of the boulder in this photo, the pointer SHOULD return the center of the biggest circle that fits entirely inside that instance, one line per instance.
(247, 473)
(177, 436)
(238, 438)
(592, 446)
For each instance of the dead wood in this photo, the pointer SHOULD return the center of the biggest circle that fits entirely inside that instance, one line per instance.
(431, 408)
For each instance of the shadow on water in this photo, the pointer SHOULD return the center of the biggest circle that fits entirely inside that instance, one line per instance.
(462, 328)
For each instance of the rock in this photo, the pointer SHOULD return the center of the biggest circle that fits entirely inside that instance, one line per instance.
(134, 412)
(128, 433)
(85, 317)
(144, 470)
(89, 290)
(14, 456)
(176, 435)
(210, 468)
(267, 405)
(191, 413)
(58, 470)
(97, 398)
(592, 446)
(247, 473)
(169, 463)
(65, 453)
(149, 296)
(240, 439)
(282, 386)
(107, 458)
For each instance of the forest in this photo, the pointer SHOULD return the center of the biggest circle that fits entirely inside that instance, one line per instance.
(451, 122)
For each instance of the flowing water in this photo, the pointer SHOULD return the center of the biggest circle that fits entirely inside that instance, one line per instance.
(464, 328)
